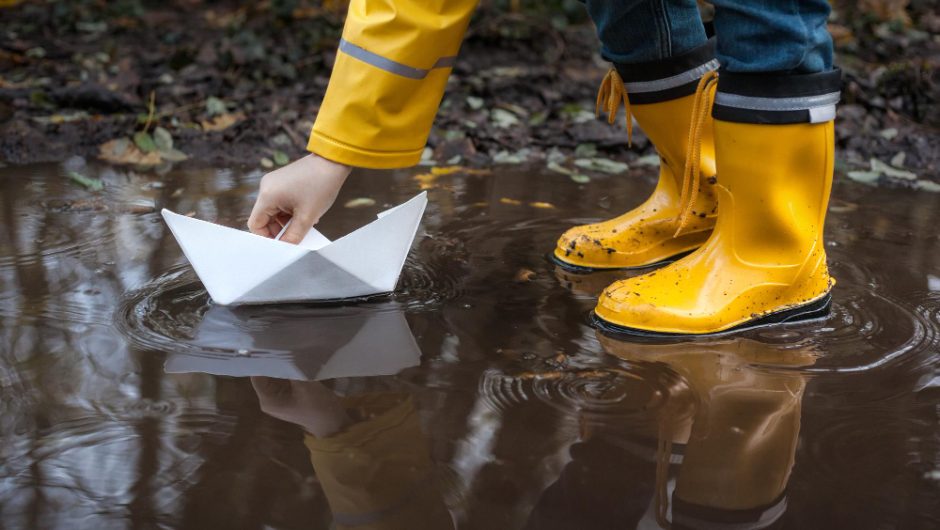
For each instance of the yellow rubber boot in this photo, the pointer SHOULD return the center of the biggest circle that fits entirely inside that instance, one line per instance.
(646, 235)
(662, 97)
(765, 261)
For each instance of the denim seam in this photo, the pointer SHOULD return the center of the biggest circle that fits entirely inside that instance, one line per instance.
(665, 35)
(806, 37)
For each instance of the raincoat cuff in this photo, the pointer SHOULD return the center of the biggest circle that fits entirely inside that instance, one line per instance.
(351, 155)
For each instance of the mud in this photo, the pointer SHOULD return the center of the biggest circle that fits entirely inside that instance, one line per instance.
(474, 397)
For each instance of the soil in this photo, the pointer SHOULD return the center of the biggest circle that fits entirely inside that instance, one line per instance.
(233, 84)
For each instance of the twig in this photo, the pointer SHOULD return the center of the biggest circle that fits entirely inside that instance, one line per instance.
(151, 109)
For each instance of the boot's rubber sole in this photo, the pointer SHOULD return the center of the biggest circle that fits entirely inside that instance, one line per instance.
(815, 310)
(579, 269)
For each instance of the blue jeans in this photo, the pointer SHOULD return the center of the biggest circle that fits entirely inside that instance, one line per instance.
(753, 35)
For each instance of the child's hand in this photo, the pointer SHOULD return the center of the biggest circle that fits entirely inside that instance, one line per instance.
(303, 191)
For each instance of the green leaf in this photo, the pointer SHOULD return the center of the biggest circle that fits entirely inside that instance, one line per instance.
(281, 158)
(163, 139)
(580, 179)
(601, 164)
(144, 141)
(90, 184)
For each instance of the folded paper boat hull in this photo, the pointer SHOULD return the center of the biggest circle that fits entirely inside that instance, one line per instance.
(239, 267)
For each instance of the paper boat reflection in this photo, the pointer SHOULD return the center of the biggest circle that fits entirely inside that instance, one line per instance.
(300, 343)
(239, 267)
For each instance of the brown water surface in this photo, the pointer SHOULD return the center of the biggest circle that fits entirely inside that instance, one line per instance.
(475, 397)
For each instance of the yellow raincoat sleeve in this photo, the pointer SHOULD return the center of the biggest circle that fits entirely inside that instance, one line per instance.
(390, 73)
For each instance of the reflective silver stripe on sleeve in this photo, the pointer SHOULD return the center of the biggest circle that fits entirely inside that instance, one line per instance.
(666, 83)
(776, 104)
(389, 65)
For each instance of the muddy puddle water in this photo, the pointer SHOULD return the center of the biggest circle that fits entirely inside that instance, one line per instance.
(475, 397)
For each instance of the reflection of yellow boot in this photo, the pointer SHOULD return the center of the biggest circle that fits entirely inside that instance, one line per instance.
(741, 442)
(647, 235)
(765, 262)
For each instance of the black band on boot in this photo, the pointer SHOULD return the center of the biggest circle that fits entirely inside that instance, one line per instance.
(776, 98)
(687, 515)
(671, 78)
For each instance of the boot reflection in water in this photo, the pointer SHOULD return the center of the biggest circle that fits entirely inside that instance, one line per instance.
(739, 443)
(368, 452)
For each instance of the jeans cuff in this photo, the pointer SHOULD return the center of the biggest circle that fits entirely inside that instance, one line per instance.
(672, 78)
(777, 97)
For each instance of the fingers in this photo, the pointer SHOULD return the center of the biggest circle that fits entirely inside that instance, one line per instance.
(262, 216)
(297, 231)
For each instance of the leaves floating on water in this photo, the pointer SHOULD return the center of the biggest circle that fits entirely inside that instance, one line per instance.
(91, 184)
(524, 275)
(572, 174)
(603, 165)
(360, 202)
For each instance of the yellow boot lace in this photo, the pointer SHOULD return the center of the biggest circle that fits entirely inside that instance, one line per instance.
(691, 178)
(609, 96)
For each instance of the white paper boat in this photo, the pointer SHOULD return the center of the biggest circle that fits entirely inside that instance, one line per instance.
(239, 267)
(303, 344)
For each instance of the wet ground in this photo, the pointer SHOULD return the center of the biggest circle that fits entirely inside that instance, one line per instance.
(476, 397)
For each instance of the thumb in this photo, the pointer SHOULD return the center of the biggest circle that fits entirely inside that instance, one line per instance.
(301, 223)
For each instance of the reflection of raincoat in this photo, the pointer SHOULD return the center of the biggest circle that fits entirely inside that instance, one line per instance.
(377, 474)
(390, 73)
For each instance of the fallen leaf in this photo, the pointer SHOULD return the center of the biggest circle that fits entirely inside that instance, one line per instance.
(425, 180)
(162, 139)
(173, 155)
(649, 160)
(222, 121)
(144, 142)
(281, 158)
(898, 159)
(123, 151)
(928, 185)
(878, 166)
(360, 202)
(91, 184)
(889, 134)
(542, 205)
(583, 150)
(267, 163)
(865, 177)
(507, 200)
(503, 118)
(581, 179)
(524, 275)
(505, 157)
(603, 165)
(474, 102)
(215, 106)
